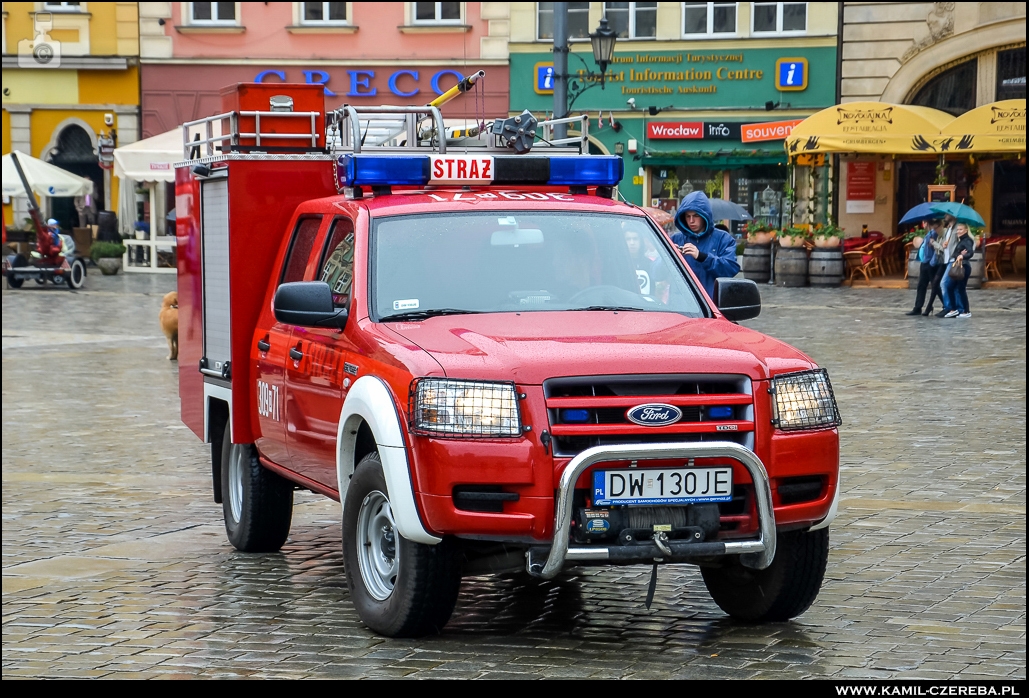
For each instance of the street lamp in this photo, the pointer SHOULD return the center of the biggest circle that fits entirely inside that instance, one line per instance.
(603, 44)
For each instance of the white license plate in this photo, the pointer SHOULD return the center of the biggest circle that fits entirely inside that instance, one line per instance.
(662, 486)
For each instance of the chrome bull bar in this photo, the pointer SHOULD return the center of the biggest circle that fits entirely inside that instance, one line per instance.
(757, 554)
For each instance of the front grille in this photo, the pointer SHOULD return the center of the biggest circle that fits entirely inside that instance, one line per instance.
(593, 410)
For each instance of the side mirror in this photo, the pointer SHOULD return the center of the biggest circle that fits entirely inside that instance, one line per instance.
(737, 299)
(308, 304)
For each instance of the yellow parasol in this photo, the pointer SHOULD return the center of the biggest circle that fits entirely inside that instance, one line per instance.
(995, 128)
(869, 127)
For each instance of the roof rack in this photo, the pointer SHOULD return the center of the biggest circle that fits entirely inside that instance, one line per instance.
(232, 138)
(394, 129)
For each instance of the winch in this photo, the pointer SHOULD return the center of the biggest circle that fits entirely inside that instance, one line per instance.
(633, 525)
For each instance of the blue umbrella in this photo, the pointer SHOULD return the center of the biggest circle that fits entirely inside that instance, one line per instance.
(919, 213)
(729, 211)
(960, 212)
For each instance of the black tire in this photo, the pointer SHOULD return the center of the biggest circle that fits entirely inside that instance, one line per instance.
(77, 276)
(257, 503)
(412, 593)
(14, 281)
(783, 590)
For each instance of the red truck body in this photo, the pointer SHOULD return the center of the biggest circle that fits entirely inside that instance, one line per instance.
(312, 403)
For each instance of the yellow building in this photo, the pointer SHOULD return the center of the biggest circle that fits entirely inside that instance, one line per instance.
(70, 77)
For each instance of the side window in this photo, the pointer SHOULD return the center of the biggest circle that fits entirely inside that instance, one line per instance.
(337, 267)
(300, 249)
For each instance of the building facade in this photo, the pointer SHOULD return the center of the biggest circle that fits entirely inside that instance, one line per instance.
(700, 95)
(952, 56)
(71, 78)
(363, 53)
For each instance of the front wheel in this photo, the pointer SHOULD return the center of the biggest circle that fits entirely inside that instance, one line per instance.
(400, 588)
(257, 503)
(76, 275)
(14, 281)
(783, 590)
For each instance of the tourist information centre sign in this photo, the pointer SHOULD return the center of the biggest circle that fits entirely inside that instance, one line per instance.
(741, 78)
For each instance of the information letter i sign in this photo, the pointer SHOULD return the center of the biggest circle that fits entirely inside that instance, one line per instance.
(544, 84)
(791, 74)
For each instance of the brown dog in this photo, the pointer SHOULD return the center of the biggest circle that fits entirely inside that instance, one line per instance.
(169, 318)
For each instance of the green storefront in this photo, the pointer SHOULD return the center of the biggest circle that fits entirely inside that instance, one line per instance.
(693, 119)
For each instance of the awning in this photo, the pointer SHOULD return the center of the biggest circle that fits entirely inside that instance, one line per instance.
(992, 128)
(152, 159)
(870, 127)
(721, 159)
(44, 178)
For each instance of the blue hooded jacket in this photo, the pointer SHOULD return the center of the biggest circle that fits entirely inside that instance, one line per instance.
(717, 248)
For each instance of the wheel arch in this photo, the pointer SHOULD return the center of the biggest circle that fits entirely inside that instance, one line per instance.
(217, 418)
(370, 420)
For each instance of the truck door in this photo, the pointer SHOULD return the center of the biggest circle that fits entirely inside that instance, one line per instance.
(273, 350)
(317, 383)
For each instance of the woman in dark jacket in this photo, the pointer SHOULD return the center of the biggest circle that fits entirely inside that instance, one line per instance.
(957, 288)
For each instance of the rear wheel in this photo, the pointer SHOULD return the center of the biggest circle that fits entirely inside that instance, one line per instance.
(76, 277)
(400, 588)
(783, 590)
(257, 503)
(14, 281)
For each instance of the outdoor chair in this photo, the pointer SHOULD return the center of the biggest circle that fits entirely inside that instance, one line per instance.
(908, 246)
(991, 255)
(859, 262)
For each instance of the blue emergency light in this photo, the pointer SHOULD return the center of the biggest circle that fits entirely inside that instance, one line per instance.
(416, 170)
(720, 412)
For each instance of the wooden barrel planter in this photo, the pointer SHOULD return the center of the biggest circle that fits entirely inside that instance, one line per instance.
(757, 263)
(914, 267)
(825, 266)
(791, 266)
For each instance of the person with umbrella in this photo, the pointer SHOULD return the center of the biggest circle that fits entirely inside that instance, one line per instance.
(929, 262)
(957, 287)
(710, 252)
(945, 244)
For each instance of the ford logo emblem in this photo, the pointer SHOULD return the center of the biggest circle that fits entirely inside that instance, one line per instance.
(655, 414)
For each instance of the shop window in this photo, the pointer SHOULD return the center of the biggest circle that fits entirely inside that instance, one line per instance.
(952, 91)
(1009, 195)
(437, 12)
(632, 20)
(702, 19)
(578, 21)
(324, 13)
(779, 17)
(213, 12)
(1011, 74)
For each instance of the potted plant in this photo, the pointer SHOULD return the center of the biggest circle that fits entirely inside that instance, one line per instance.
(108, 256)
(792, 237)
(758, 233)
(828, 236)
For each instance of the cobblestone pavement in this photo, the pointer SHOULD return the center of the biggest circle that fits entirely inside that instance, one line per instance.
(115, 562)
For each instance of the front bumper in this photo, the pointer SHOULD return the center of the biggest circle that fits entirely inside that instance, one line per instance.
(758, 553)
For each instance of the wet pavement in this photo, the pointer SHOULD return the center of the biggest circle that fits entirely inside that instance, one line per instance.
(115, 562)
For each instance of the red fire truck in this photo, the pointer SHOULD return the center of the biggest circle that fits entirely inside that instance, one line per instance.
(491, 363)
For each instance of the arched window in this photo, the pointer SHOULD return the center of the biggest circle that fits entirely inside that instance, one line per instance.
(73, 147)
(951, 91)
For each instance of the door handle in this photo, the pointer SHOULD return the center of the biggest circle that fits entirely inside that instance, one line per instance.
(296, 354)
(263, 344)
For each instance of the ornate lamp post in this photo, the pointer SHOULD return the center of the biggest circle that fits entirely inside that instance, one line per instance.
(603, 43)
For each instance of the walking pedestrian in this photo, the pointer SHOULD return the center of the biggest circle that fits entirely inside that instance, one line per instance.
(957, 287)
(945, 247)
(928, 262)
(710, 252)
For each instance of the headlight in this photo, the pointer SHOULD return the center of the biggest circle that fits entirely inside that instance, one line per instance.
(462, 408)
(804, 400)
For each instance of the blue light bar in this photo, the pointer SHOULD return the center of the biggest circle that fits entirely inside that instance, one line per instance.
(382, 170)
(586, 170)
(575, 415)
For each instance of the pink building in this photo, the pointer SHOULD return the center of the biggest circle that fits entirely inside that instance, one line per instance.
(362, 52)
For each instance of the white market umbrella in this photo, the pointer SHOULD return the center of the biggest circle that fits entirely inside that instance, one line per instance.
(153, 159)
(44, 178)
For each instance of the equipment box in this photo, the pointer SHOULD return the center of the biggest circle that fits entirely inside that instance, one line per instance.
(297, 112)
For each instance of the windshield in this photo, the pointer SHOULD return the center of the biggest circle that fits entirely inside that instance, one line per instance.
(427, 265)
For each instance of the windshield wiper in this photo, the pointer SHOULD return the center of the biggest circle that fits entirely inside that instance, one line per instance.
(433, 312)
(610, 307)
